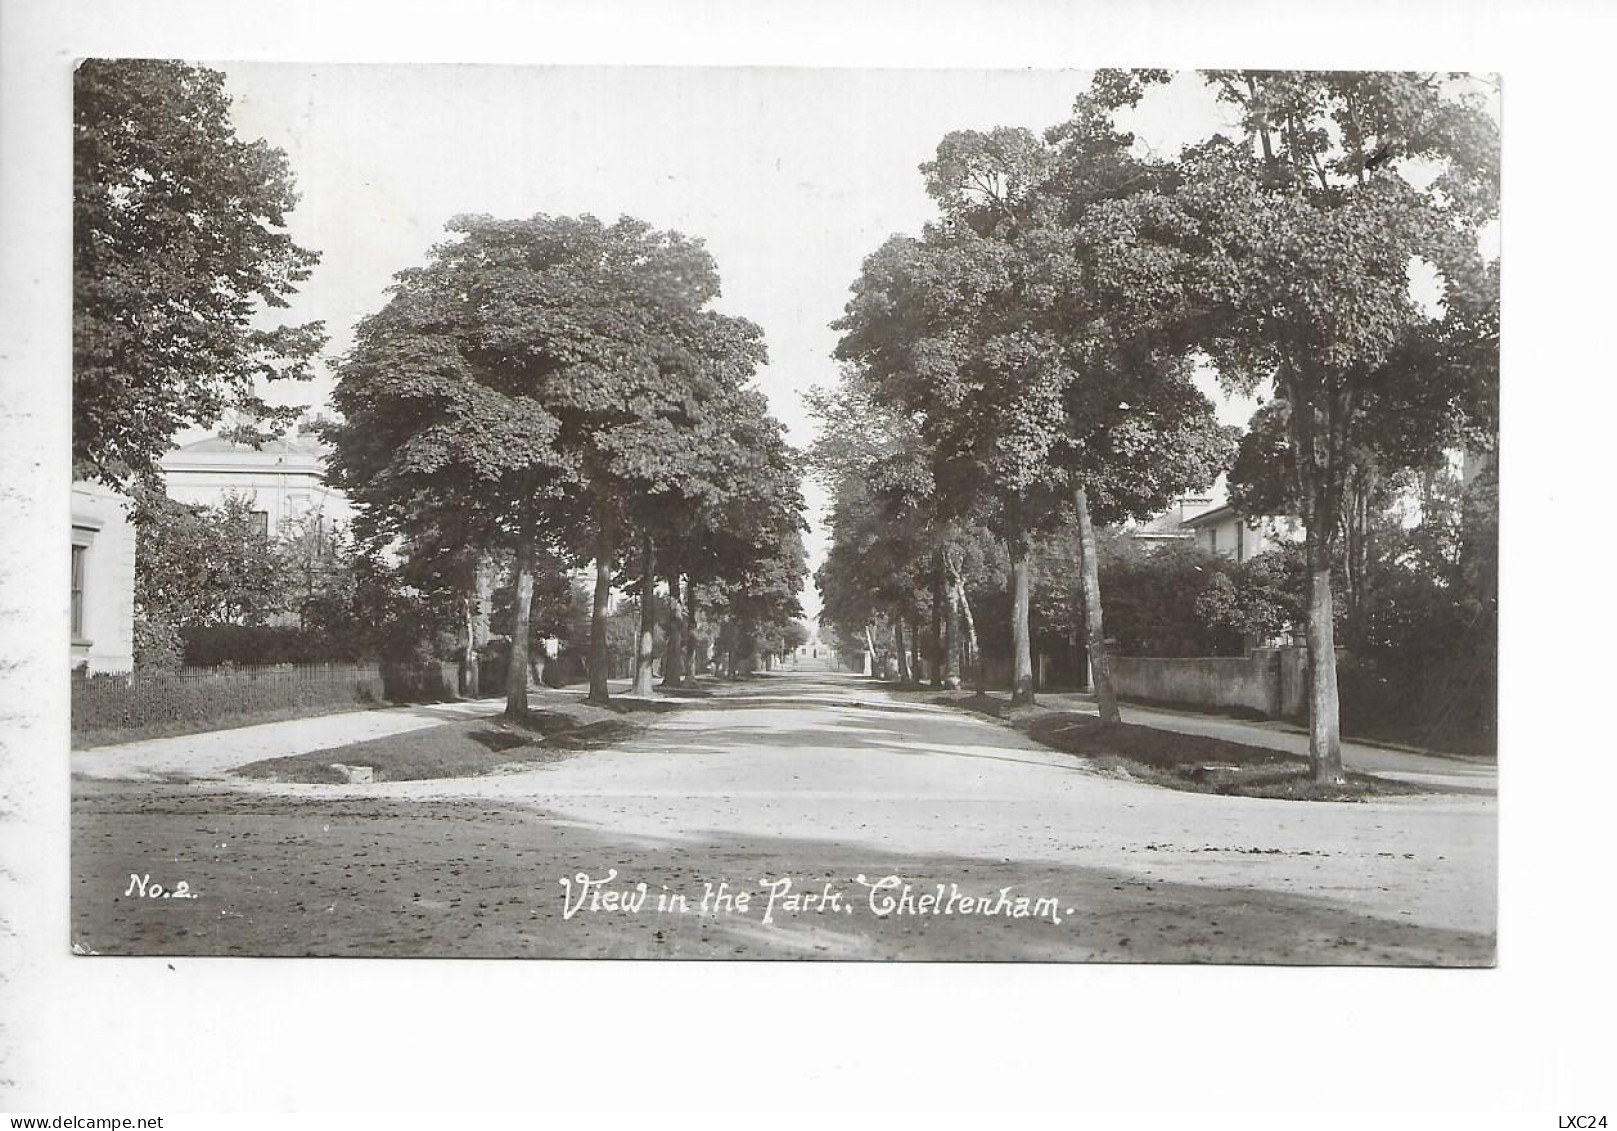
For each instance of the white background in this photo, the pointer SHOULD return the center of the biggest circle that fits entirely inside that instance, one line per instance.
(155, 1035)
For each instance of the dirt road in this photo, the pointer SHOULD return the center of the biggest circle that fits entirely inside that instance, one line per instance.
(800, 816)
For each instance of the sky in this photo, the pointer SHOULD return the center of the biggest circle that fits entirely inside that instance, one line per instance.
(790, 175)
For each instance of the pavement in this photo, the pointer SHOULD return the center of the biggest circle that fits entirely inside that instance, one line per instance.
(823, 780)
(1420, 767)
(211, 755)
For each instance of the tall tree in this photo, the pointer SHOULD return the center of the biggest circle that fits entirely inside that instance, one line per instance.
(180, 240)
(1026, 352)
(435, 424)
(743, 548)
(1299, 244)
(546, 377)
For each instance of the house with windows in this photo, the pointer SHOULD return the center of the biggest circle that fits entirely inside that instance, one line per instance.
(285, 478)
(1208, 522)
(101, 617)
(1224, 530)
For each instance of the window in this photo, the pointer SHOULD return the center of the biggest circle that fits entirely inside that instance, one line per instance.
(1212, 539)
(77, 585)
(260, 523)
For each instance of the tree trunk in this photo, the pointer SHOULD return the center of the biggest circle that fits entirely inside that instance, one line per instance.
(903, 656)
(469, 675)
(917, 665)
(483, 598)
(744, 656)
(973, 650)
(1100, 659)
(1324, 717)
(690, 632)
(484, 584)
(675, 643)
(516, 677)
(645, 653)
(1318, 463)
(605, 551)
(950, 654)
(939, 599)
(1021, 644)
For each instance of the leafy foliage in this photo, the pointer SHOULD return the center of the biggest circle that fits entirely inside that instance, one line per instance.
(1022, 358)
(179, 240)
(557, 386)
(1258, 599)
(207, 565)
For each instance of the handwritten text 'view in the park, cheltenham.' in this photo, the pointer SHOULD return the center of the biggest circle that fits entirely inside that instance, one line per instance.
(885, 897)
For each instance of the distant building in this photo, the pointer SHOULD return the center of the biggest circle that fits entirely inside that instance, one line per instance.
(1208, 522)
(101, 617)
(285, 478)
(813, 654)
(1224, 530)
(1169, 526)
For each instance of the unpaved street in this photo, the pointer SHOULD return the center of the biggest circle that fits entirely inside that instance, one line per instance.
(1008, 851)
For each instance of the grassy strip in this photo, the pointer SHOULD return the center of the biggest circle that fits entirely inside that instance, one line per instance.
(111, 736)
(1417, 738)
(466, 748)
(1190, 762)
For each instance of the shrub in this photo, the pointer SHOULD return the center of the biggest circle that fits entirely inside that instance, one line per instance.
(158, 646)
(1150, 602)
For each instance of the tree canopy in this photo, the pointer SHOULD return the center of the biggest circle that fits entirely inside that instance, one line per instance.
(1039, 339)
(1019, 348)
(561, 382)
(180, 242)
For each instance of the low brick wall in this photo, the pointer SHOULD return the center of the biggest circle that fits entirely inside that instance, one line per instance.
(1267, 681)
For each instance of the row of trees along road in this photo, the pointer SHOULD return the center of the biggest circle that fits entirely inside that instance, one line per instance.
(1028, 358)
(560, 386)
(547, 391)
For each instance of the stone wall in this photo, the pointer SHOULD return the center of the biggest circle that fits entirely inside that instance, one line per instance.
(1267, 681)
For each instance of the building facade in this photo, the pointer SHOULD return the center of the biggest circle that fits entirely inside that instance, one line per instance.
(285, 479)
(1225, 531)
(101, 608)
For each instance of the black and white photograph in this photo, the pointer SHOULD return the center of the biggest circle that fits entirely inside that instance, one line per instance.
(699, 522)
(1053, 520)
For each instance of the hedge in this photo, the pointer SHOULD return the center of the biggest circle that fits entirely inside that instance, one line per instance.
(211, 645)
(202, 696)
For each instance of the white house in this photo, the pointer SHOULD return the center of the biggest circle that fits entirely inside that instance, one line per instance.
(1224, 530)
(101, 617)
(285, 478)
(1169, 526)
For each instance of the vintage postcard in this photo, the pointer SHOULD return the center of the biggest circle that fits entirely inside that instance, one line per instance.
(746, 513)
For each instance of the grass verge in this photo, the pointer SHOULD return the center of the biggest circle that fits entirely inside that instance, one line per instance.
(111, 736)
(467, 748)
(1195, 763)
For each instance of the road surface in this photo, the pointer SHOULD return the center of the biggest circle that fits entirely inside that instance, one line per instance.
(802, 815)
